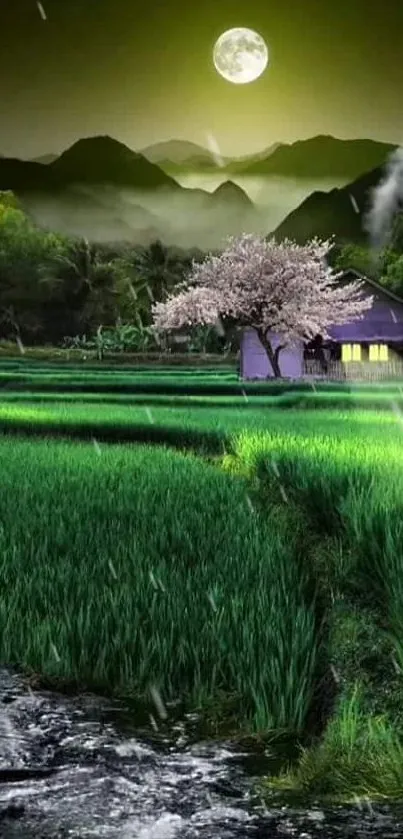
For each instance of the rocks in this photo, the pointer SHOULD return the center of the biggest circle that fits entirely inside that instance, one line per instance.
(80, 767)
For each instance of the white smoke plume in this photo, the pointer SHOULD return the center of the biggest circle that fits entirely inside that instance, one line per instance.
(386, 197)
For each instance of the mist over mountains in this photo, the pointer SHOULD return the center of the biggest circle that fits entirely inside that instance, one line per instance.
(101, 189)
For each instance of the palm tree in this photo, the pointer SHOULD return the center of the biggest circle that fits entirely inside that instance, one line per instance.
(160, 268)
(85, 287)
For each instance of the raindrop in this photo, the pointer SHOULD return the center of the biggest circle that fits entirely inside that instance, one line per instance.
(159, 705)
(212, 601)
(96, 446)
(41, 10)
(250, 505)
(54, 651)
(20, 345)
(149, 414)
(114, 574)
(354, 203)
(394, 318)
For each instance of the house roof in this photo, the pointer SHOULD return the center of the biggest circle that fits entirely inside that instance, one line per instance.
(373, 283)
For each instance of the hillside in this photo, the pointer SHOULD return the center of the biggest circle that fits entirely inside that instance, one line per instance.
(322, 157)
(326, 213)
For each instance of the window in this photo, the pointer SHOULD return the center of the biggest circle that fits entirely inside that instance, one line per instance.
(351, 352)
(378, 352)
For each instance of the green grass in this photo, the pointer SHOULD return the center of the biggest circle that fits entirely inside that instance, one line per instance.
(359, 756)
(240, 422)
(163, 383)
(233, 584)
(305, 401)
(349, 488)
(143, 566)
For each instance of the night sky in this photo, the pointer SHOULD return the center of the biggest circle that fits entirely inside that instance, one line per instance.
(142, 71)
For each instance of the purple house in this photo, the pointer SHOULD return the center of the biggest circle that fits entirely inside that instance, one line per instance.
(368, 348)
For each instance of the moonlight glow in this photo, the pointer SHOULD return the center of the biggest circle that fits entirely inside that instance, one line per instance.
(240, 55)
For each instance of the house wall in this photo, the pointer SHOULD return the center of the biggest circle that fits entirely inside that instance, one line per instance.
(256, 365)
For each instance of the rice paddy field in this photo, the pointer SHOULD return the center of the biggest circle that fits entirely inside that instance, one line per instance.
(234, 547)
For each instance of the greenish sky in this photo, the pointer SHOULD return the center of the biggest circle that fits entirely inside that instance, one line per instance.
(142, 71)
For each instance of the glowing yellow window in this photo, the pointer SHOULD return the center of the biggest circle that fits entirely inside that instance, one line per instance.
(346, 352)
(378, 352)
(351, 352)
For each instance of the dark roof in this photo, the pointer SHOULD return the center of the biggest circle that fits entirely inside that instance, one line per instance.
(373, 283)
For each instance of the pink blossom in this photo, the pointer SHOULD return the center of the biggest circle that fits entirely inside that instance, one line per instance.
(286, 288)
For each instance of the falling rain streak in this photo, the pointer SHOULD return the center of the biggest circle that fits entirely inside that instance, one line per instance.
(354, 203)
(41, 10)
(112, 568)
(212, 602)
(96, 446)
(159, 705)
(149, 415)
(54, 651)
(250, 505)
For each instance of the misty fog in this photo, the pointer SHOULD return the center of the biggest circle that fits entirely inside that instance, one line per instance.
(186, 218)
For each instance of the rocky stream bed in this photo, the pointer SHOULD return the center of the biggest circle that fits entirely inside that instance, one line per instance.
(103, 776)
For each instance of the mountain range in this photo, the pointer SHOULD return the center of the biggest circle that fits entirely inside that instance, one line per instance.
(182, 157)
(321, 157)
(318, 157)
(102, 189)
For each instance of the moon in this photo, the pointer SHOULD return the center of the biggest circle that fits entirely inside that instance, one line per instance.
(240, 55)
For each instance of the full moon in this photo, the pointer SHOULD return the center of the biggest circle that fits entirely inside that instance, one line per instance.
(240, 55)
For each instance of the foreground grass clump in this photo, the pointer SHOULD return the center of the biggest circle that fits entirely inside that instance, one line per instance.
(127, 567)
(349, 490)
(359, 755)
(349, 487)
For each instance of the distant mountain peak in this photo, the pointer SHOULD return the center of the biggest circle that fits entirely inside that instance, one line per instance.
(175, 151)
(230, 190)
(101, 159)
(99, 143)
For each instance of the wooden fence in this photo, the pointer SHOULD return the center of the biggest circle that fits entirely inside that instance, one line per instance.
(368, 371)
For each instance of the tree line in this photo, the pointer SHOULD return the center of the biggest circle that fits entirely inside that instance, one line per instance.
(56, 289)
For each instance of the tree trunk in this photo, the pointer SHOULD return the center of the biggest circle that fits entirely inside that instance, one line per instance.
(271, 354)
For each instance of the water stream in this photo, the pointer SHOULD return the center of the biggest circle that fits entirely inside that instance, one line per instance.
(112, 780)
